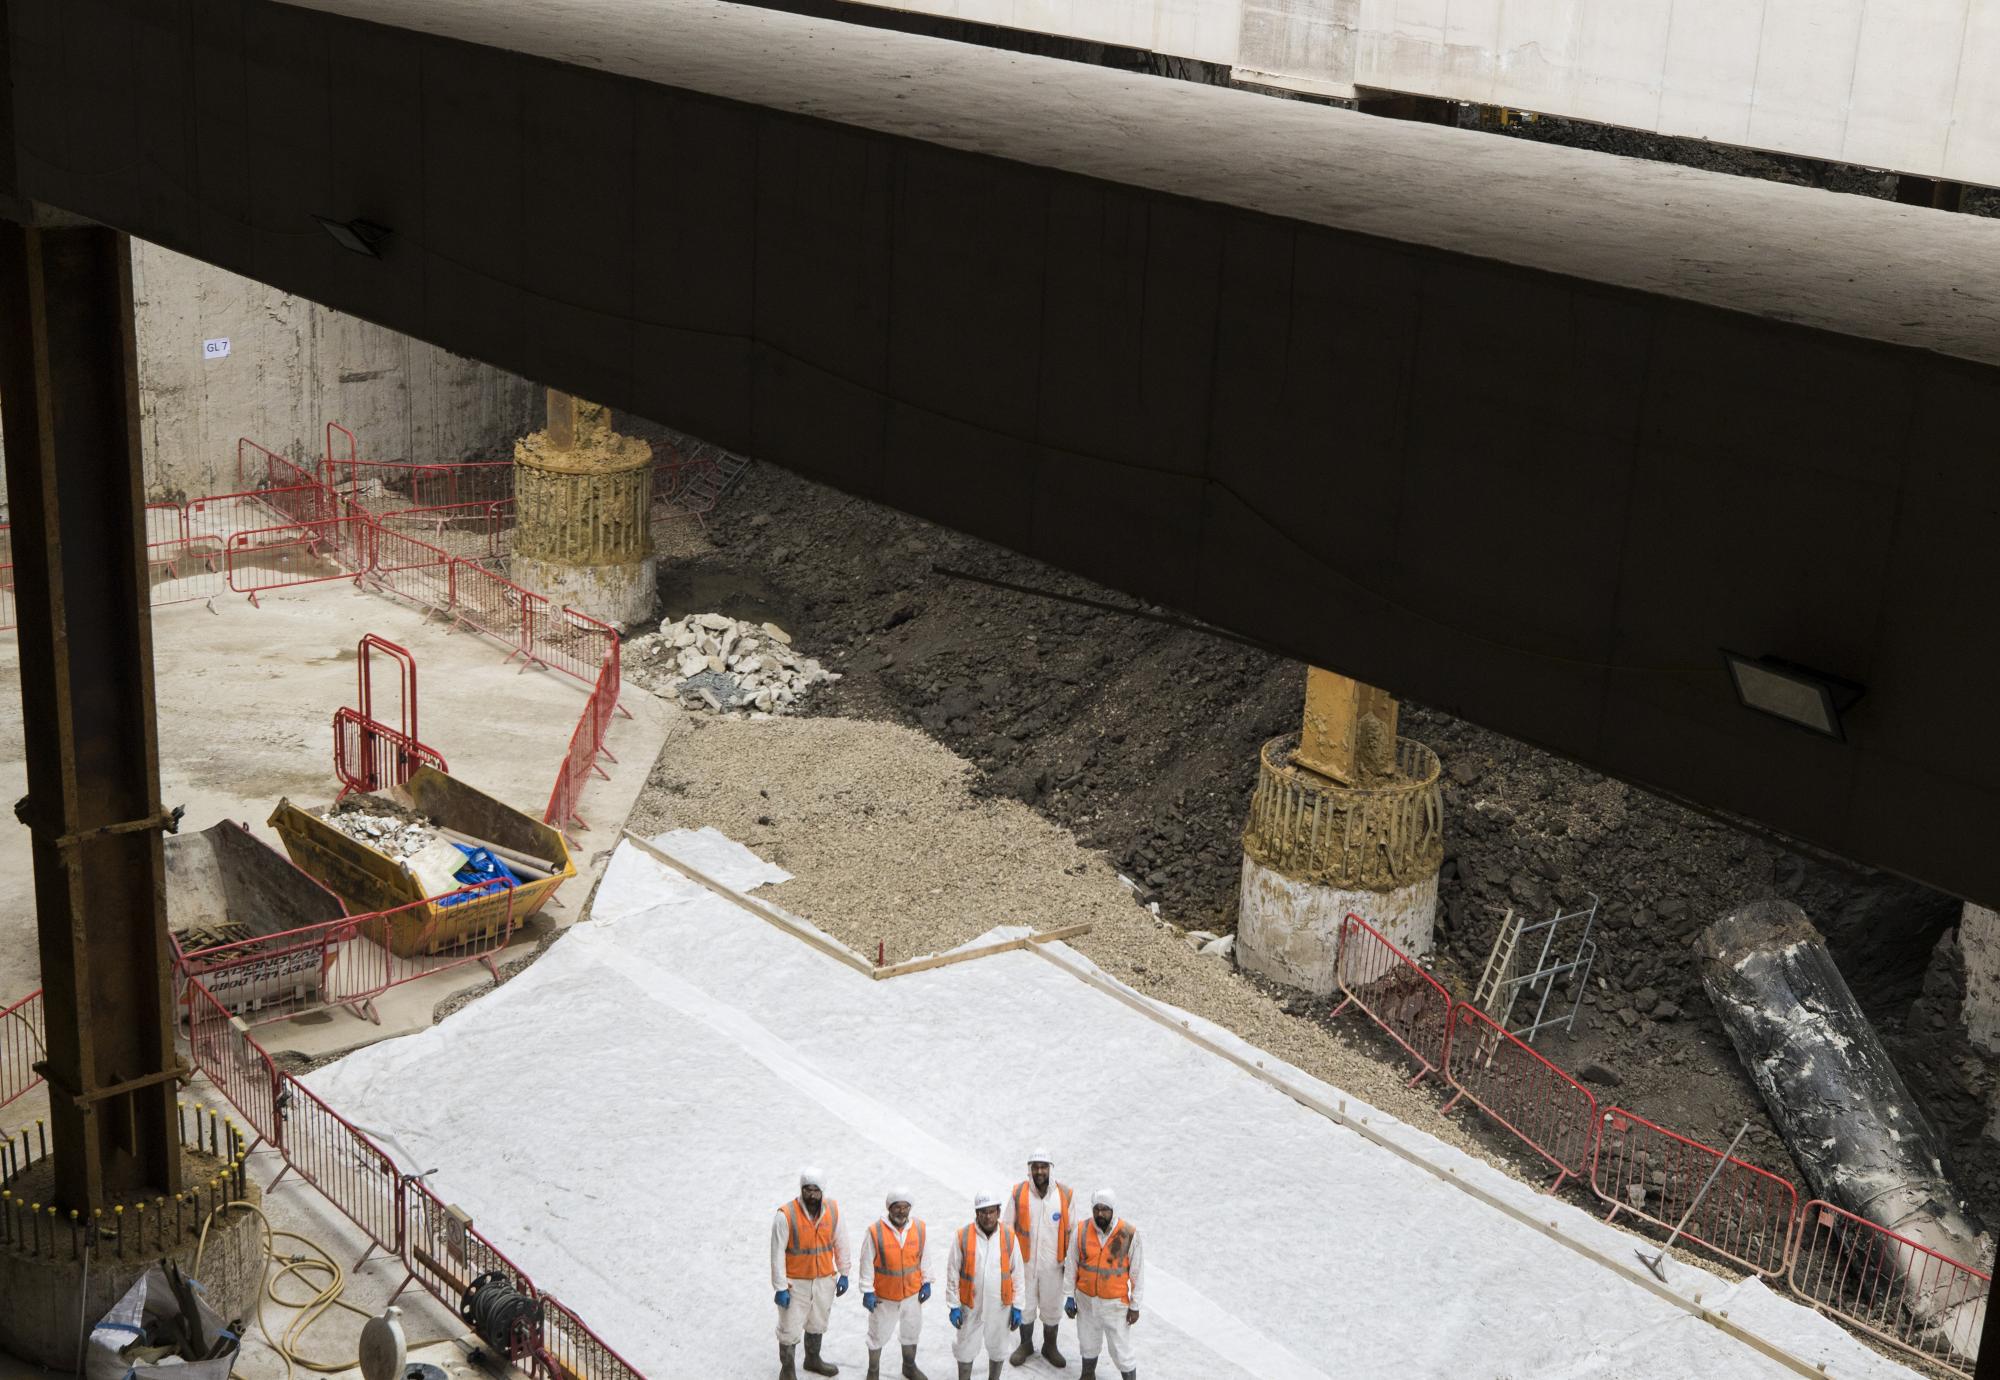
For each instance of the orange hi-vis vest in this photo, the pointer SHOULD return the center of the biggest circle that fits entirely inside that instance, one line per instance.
(899, 1266)
(809, 1253)
(1104, 1263)
(1024, 1194)
(968, 1253)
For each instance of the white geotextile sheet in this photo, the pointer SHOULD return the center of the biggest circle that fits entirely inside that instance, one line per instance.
(623, 1118)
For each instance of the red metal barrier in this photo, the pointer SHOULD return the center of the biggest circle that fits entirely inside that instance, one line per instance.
(414, 569)
(564, 640)
(258, 467)
(469, 530)
(303, 553)
(492, 604)
(221, 1048)
(9, 614)
(267, 977)
(1410, 1005)
(23, 1044)
(1746, 1216)
(443, 1253)
(370, 756)
(1552, 1113)
(1889, 1286)
(587, 739)
(571, 1351)
(348, 1169)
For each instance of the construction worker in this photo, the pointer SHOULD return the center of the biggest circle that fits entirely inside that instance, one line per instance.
(1042, 1226)
(893, 1285)
(809, 1263)
(1106, 1273)
(984, 1264)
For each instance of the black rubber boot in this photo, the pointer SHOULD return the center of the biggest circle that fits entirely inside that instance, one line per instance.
(1049, 1352)
(874, 1365)
(965, 1370)
(1089, 1369)
(813, 1363)
(992, 1370)
(1026, 1348)
(785, 1371)
(1128, 1375)
(910, 1371)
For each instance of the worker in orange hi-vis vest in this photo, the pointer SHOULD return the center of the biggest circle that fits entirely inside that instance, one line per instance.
(1040, 1215)
(983, 1275)
(1106, 1274)
(894, 1286)
(809, 1264)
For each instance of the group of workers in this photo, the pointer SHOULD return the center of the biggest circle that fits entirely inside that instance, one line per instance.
(1041, 1262)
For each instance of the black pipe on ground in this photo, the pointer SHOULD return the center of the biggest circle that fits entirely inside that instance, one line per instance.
(1857, 1134)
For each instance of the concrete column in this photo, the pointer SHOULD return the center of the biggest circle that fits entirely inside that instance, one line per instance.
(1346, 817)
(68, 375)
(583, 497)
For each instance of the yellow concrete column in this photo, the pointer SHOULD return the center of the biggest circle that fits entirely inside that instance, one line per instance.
(1349, 730)
(583, 497)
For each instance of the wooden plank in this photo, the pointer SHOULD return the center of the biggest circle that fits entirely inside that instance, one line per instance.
(1083, 971)
(758, 909)
(920, 965)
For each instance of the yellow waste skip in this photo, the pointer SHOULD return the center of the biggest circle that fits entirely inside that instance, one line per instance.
(368, 880)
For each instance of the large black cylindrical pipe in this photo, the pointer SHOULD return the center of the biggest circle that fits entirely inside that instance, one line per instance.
(1853, 1128)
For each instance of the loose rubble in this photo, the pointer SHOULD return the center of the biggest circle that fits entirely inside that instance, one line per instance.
(382, 824)
(713, 662)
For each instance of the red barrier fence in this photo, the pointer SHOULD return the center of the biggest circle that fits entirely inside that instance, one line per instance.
(1746, 1216)
(1410, 1005)
(221, 1047)
(1888, 1285)
(587, 740)
(1551, 1113)
(304, 553)
(344, 1165)
(571, 1351)
(369, 756)
(23, 1044)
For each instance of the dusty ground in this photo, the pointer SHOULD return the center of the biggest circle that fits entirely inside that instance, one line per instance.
(1138, 742)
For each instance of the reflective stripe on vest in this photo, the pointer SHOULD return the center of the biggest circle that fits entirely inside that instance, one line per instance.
(809, 1253)
(899, 1266)
(968, 1253)
(1104, 1263)
(1023, 1195)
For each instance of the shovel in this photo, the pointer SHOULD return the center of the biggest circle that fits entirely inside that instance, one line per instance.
(1656, 1261)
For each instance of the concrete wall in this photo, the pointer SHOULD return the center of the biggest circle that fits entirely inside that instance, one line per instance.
(292, 367)
(1908, 85)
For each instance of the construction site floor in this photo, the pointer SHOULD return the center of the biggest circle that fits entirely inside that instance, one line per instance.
(702, 1054)
(246, 697)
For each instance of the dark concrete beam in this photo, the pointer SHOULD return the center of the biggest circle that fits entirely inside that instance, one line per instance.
(1524, 433)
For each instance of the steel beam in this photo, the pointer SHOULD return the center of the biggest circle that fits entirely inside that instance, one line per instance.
(69, 398)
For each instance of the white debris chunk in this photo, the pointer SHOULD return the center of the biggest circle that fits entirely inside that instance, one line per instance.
(711, 662)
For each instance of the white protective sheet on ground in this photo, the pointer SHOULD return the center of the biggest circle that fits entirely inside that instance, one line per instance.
(623, 1118)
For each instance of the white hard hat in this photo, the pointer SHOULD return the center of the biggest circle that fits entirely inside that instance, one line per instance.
(1039, 1157)
(1104, 1197)
(896, 1195)
(809, 1178)
(985, 1200)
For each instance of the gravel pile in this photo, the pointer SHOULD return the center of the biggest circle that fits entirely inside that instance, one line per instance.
(709, 660)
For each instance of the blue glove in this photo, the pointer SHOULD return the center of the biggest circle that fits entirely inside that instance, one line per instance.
(958, 1317)
(1069, 1305)
(924, 1294)
(840, 1286)
(1014, 1318)
(868, 1301)
(783, 1299)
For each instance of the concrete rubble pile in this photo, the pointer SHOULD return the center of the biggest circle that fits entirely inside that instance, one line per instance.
(396, 835)
(711, 661)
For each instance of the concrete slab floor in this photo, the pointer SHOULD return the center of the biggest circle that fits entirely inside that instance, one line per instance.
(246, 699)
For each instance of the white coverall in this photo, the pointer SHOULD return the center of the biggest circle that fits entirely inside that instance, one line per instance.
(812, 1299)
(1042, 1253)
(889, 1318)
(1100, 1323)
(988, 1322)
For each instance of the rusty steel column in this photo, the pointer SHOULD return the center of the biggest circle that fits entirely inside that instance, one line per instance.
(69, 397)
